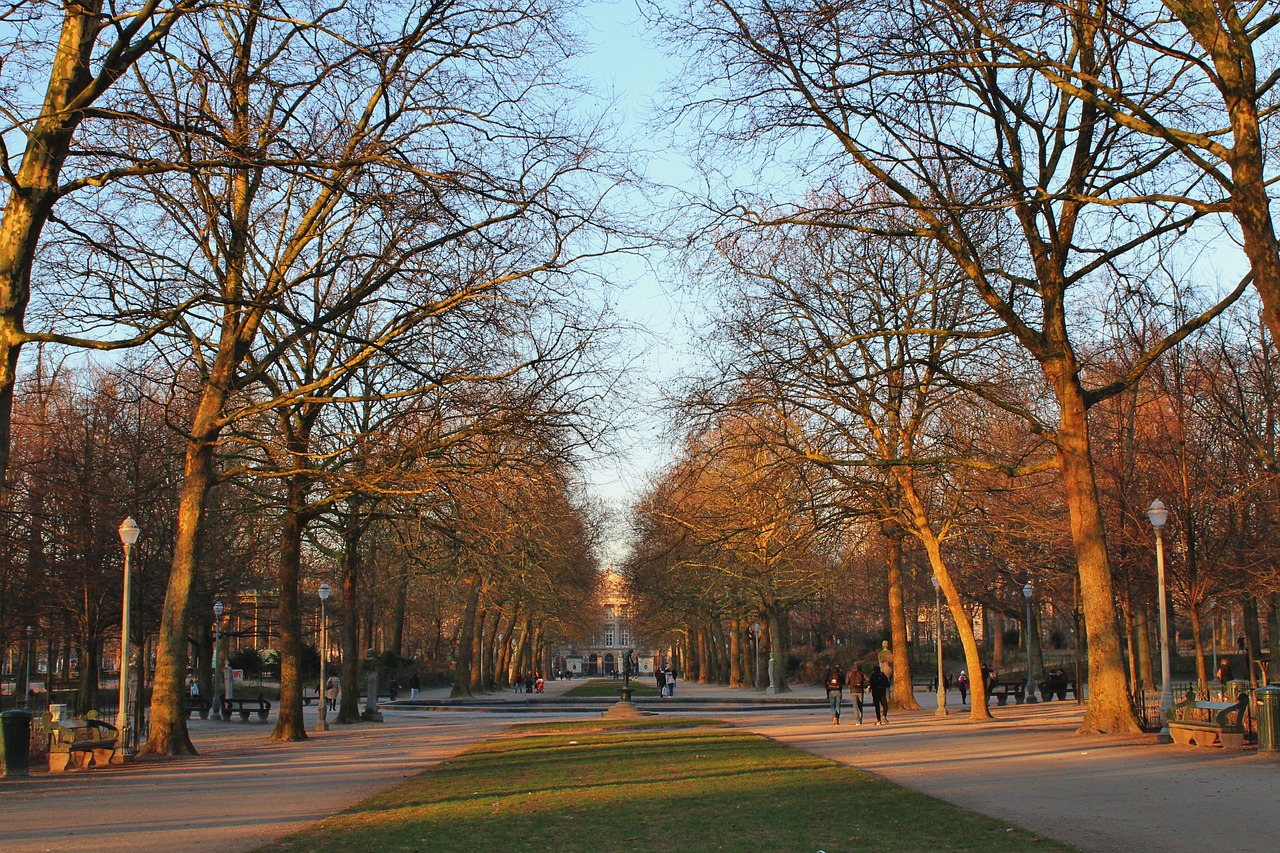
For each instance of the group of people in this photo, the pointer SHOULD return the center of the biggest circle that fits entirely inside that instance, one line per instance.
(666, 682)
(858, 683)
(529, 682)
(959, 682)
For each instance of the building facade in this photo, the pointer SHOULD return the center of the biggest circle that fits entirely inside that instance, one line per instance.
(612, 637)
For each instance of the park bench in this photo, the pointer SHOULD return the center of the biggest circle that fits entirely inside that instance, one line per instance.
(1204, 723)
(1002, 690)
(310, 694)
(1057, 684)
(245, 707)
(80, 743)
(195, 703)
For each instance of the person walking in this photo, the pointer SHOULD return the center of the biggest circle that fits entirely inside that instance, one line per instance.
(834, 681)
(1224, 674)
(880, 695)
(414, 686)
(661, 678)
(857, 682)
(962, 684)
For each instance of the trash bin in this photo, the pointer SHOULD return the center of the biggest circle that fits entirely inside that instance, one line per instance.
(15, 742)
(1269, 718)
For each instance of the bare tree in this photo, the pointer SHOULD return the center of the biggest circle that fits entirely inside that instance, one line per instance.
(69, 56)
(1035, 195)
(301, 137)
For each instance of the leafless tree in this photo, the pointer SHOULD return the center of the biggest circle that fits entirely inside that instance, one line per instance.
(1034, 193)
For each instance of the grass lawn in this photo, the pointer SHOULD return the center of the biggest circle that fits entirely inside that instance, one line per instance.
(609, 687)
(656, 784)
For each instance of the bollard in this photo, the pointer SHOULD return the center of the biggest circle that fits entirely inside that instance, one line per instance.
(15, 742)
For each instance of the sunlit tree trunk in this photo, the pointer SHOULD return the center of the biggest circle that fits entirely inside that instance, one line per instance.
(1109, 709)
(901, 696)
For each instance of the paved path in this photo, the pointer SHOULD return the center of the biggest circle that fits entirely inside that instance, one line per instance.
(1102, 794)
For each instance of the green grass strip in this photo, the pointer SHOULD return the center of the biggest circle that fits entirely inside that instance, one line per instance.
(652, 785)
(609, 687)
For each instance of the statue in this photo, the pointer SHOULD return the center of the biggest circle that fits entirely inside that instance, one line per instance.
(885, 658)
(626, 666)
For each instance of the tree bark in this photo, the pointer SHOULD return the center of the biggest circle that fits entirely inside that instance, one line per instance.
(168, 733)
(923, 531)
(1110, 709)
(462, 668)
(735, 653)
(349, 563)
(289, 720)
(899, 698)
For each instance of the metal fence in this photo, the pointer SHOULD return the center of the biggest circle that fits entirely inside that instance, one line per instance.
(1147, 706)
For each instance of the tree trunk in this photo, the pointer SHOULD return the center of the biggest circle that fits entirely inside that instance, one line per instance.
(168, 733)
(1202, 672)
(964, 626)
(289, 720)
(396, 646)
(1110, 709)
(462, 668)
(349, 563)
(1131, 632)
(1253, 638)
(87, 687)
(1146, 659)
(903, 698)
(778, 649)
(1273, 631)
(735, 653)
(997, 645)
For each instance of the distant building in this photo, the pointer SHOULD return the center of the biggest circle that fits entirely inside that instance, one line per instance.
(612, 636)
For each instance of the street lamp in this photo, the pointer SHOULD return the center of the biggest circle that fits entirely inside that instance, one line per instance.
(26, 701)
(217, 683)
(1030, 690)
(1158, 515)
(942, 684)
(1213, 627)
(129, 532)
(322, 699)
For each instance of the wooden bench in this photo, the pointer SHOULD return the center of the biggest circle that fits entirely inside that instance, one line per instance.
(81, 744)
(244, 707)
(197, 704)
(310, 694)
(1203, 723)
(1002, 690)
(1057, 684)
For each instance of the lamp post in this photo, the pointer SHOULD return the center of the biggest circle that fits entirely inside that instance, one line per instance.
(1030, 690)
(942, 684)
(217, 681)
(322, 699)
(129, 532)
(1158, 515)
(1213, 628)
(26, 700)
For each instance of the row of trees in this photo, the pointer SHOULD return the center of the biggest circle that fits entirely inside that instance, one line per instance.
(1022, 181)
(349, 242)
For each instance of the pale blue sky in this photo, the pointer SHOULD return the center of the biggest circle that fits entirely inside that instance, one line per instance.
(628, 71)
